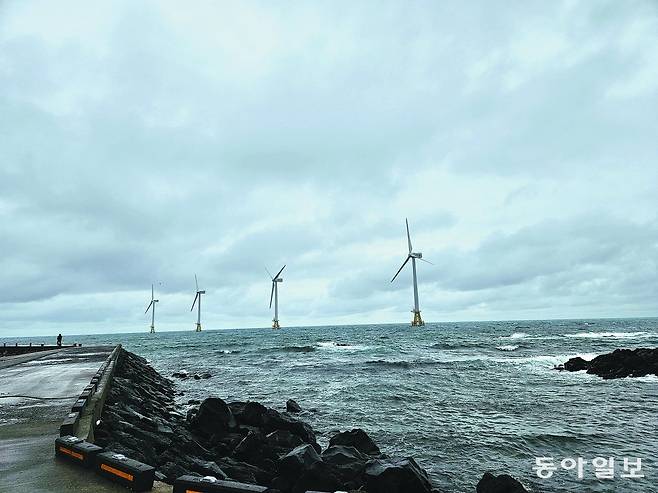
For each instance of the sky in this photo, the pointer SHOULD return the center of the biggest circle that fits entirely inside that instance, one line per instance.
(144, 142)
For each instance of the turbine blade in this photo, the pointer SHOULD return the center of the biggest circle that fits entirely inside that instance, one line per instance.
(400, 269)
(426, 261)
(196, 282)
(279, 273)
(194, 302)
(272, 294)
(147, 308)
(152, 292)
(408, 235)
(269, 273)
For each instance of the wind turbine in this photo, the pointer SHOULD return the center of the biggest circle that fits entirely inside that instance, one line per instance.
(198, 296)
(275, 294)
(417, 321)
(152, 304)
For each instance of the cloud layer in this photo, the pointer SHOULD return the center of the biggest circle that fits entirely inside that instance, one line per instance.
(145, 142)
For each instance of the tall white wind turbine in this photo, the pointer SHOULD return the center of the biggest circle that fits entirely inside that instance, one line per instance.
(417, 321)
(275, 295)
(152, 307)
(197, 297)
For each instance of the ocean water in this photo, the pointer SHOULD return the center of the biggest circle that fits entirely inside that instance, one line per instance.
(462, 398)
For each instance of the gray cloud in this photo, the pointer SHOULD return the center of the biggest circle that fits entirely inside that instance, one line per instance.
(144, 143)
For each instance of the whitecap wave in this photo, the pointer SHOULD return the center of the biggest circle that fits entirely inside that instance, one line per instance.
(508, 347)
(612, 335)
(332, 345)
(519, 335)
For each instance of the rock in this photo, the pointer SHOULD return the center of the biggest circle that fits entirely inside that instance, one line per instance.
(302, 470)
(292, 406)
(348, 461)
(298, 460)
(284, 439)
(619, 364)
(499, 484)
(206, 375)
(182, 374)
(396, 476)
(249, 446)
(576, 364)
(196, 376)
(269, 420)
(318, 477)
(356, 438)
(214, 417)
(207, 468)
(243, 472)
(194, 401)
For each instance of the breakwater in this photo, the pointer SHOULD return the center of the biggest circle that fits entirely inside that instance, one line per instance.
(247, 442)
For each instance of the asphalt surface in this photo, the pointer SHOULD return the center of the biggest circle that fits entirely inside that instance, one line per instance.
(50, 384)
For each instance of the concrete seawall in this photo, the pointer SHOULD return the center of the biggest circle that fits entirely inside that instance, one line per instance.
(37, 393)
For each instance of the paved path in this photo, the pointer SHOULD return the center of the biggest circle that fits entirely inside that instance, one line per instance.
(28, 427)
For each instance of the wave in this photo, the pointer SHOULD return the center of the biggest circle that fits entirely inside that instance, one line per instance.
(340, 346)
(612, 335)
(519, 335)
(395, 364)
(291, 349)
(508, 347)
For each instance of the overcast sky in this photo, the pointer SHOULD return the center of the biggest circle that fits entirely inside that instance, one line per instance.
(145, 141)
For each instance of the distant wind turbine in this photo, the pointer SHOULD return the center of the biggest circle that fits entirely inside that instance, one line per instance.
(198, 296)
(275, 294)
(152, 304)
(417, 321)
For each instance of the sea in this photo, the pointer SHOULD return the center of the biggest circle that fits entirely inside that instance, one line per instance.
(461, 398)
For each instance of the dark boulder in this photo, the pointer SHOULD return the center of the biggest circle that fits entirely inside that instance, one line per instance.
(302, 469)
(499, 484)
(214, 417)
(244, 472)
(319, 477)
(396, 476)
(348, 461)
(576, 364)
(284, 439)
(620, 363)
(299, 459)
(207, 468)
(356, 438)
(293, 407)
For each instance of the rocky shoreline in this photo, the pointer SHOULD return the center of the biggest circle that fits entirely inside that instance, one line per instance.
(248, 442)
(620, 363)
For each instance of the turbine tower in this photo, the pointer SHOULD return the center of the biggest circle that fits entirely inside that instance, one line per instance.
(275, 294)
(198, 296)
(152, 304)
(417, 321)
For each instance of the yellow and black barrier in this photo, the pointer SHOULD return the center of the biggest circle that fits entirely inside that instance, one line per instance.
(210, 484)
(76, 450)
(128, 472)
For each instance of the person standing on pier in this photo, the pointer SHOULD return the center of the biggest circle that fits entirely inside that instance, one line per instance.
(59, 340)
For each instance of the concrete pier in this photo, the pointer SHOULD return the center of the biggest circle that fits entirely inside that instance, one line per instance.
(45, 385)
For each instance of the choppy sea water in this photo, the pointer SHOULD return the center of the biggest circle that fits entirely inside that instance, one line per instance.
(462, 398)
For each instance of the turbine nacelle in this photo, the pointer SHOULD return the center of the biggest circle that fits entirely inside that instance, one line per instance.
(416, 255)
(278, 279)
(201, 292)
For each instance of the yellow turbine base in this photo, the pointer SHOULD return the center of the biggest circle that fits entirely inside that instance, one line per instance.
(276, 325)
(198, 328)
(417, 321)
